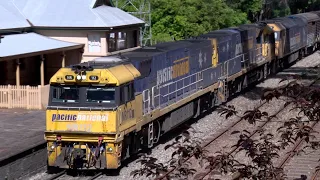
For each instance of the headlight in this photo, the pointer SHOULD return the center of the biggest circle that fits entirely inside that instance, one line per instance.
(78, 77)
(52, 147)
(84, 77)
(109, 149)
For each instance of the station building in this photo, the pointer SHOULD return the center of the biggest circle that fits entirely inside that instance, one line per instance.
(40, 37)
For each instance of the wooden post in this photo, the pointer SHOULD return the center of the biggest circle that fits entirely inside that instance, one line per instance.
(63, 63)
(28, 96)
(18, 72)
(40, 97)
(9, 96)
(42, 69)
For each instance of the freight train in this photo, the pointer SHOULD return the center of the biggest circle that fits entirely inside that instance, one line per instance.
(103, 111)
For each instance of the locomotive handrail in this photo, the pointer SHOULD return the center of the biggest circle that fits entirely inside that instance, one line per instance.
(183, 87)
(151, 99)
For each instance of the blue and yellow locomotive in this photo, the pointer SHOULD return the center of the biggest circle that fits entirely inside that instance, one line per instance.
(103, 111)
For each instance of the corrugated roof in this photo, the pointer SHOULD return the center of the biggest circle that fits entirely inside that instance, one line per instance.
(18, 44)
(10, 17)
(73, 13)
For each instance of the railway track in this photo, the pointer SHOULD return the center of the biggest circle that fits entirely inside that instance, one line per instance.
(228, 129)
(56, 176)
(209, 142)
(316, 175)
(296, 147)
(63, 175)
(234, 149)
(299, 166)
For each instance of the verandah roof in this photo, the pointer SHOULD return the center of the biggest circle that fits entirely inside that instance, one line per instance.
(31, 44)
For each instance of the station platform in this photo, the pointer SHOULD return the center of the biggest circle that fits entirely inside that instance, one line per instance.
(20, 130)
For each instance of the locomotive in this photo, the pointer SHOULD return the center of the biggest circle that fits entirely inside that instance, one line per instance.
(103, 111)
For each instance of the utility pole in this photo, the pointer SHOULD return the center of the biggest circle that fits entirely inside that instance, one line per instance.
(142, 10)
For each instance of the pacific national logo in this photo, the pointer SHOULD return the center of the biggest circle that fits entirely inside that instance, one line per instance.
(79, 117)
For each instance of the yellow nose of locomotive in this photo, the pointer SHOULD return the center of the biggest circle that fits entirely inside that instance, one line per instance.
(82, 121)
(82, 139)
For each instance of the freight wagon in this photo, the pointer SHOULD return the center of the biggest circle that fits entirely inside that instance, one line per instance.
(103, 111)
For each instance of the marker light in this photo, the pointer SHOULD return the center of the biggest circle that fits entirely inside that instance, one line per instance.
(83, 77)
(78, 77)
(59, 137)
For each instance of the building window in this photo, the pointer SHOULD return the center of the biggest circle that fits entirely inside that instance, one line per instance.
(121, 40)
(94, 43)
(112, 42)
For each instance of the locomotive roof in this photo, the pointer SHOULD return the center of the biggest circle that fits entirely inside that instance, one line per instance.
(219, 34)
(219, 37)
(285, 21)
(316, 12)
(309, 17)
(140, 54)
(237, 29)
(225, 30)
(299, 20)
(258, 25)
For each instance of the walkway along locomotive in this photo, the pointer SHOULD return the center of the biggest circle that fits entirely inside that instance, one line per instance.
(101, 112)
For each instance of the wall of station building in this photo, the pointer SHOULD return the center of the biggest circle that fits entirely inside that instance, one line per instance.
(98, 43)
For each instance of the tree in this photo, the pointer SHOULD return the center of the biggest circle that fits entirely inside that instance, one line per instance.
(253, 8)
(180, 19)
(301, 6)
(261, 151)
(280, 9)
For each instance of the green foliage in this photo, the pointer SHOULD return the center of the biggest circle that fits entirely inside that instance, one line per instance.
(179, 19)
(280, 9)
(251, 7)
(300, 6)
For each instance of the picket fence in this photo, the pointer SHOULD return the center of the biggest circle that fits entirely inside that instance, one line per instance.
(26, 97)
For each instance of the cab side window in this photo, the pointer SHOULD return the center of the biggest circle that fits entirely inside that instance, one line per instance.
(126, 93)
(145, 68)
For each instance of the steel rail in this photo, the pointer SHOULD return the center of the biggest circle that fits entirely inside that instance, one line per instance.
(315, 175)
(251, 134)
(56, 176)
(96, 176)
(210, 142)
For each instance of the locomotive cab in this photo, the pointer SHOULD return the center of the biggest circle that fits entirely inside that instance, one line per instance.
(87, 103)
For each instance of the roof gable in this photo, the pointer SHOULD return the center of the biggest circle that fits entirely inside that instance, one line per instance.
(97, 3)
(74, 13)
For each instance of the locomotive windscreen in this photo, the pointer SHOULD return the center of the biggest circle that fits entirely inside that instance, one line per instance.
(83, 96)
(100, 95)
(63, 94)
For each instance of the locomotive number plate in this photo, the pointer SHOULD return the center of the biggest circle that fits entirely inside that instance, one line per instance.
(79, 127)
